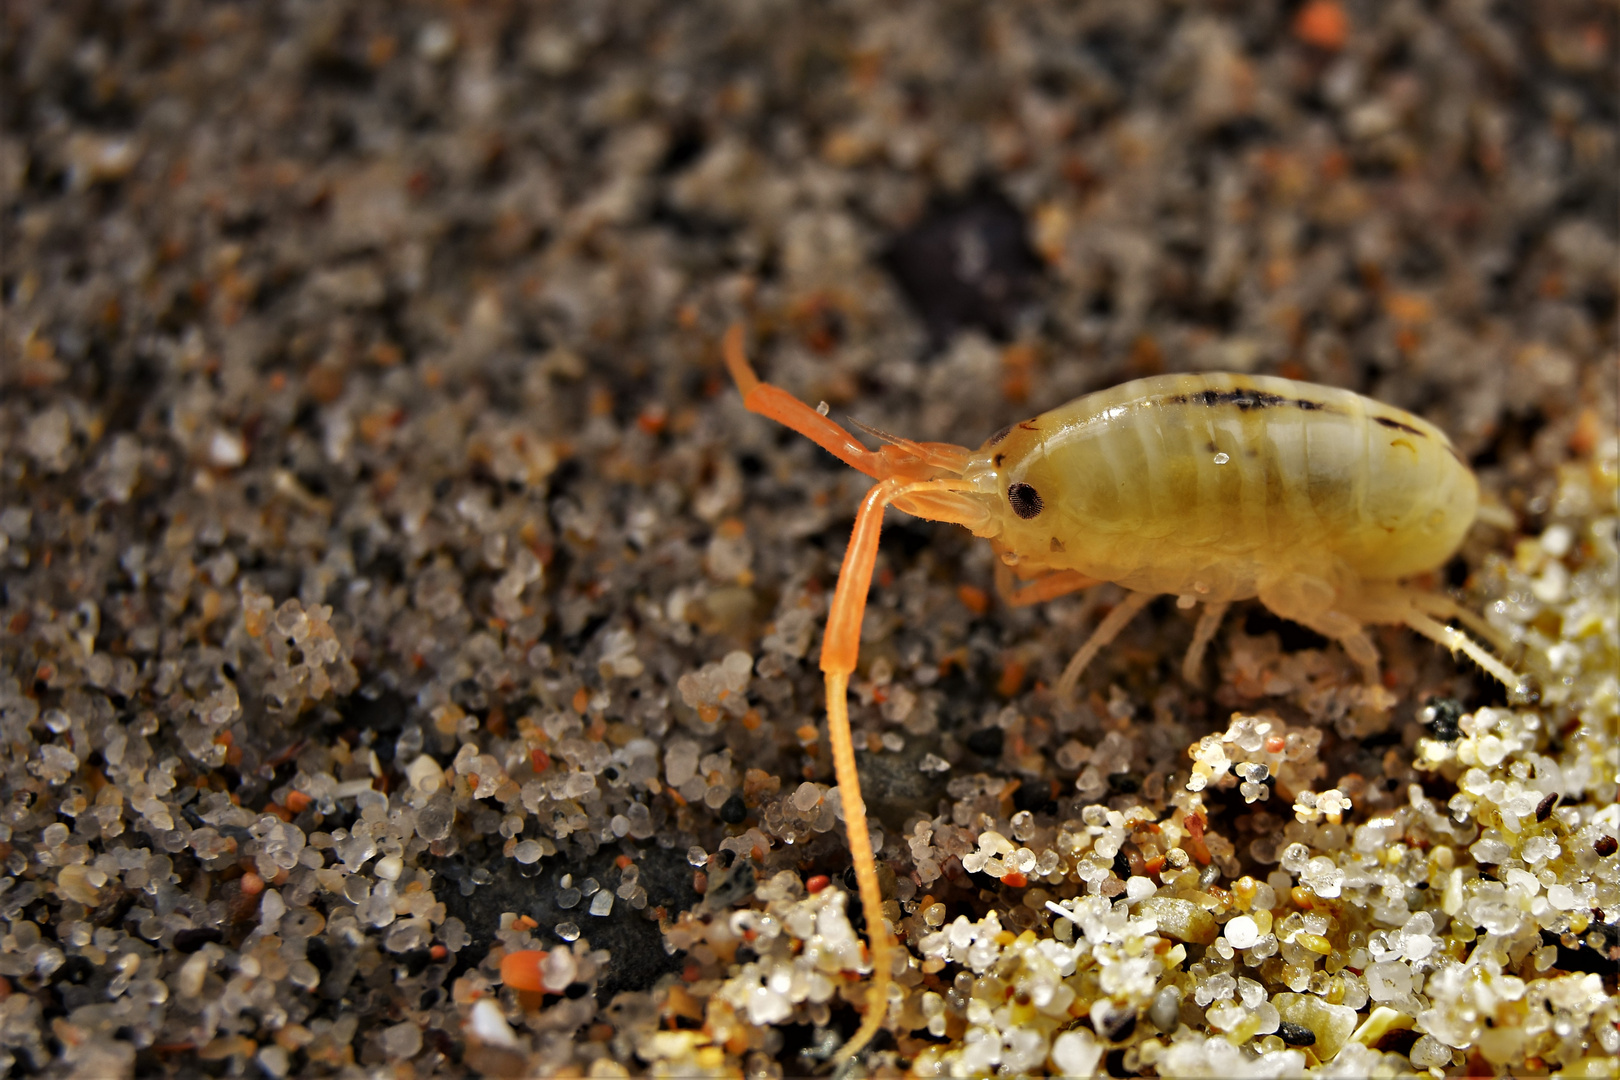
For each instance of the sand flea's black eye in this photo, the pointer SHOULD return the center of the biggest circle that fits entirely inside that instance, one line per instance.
(1026, 501)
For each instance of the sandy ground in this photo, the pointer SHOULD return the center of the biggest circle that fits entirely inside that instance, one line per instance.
(391, 579)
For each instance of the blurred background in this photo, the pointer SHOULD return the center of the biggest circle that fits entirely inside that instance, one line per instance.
(360, 403)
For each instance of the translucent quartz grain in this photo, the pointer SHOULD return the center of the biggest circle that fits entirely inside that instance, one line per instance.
(1165, 1011)
(558, 970)
(402, 1040)
(1242, 932)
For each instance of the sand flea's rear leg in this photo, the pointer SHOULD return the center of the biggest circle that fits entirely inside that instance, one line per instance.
(1391, 603)
(1044, 588)
(1106, 631)
(1454, 639)
(1209, 621)
(1442, 607)
(1459, 642)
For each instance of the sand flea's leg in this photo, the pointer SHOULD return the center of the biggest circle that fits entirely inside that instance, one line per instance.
(1385, 603)
(1459, 642)
(1044, 588)
(1445, 608)
(1310, 601)
(1106, 631)
(839, 651)
(1209, 621)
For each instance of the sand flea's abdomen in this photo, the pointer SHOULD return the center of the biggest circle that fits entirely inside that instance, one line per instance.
(1202, 483)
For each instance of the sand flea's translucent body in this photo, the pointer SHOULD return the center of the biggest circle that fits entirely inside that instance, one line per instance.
(1210, 487)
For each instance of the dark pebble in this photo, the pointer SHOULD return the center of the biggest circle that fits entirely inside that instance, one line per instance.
(415, 961)
(967, 263)
(1295, 1035)
(1398, 1041)
(1443, 714)
(987, 742)
(189, 941)
(1119, 1025)
(75, 970)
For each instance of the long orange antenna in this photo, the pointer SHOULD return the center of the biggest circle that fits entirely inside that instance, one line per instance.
(840, 649)
(907, 475)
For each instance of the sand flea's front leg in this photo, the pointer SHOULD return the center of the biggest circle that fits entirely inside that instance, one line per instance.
(1106, 631)
(839, 651)
(1046, 587)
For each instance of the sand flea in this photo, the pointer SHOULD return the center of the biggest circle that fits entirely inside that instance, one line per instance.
(1211, 487)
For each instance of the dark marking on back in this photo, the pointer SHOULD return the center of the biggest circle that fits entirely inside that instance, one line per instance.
(1390, 422)
(998, 459)
(1028, 425)
(998, 436)
(1057, 545)
(1245, 400)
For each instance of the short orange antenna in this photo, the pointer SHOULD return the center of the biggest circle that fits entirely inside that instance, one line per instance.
(737, 360)
(779, 405)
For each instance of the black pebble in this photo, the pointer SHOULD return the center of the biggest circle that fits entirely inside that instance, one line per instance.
(1442, 723)
(987, 742)
(1119, 1026)
(1295, 1035)
(1600, 961)
(1122, 865)
(189, 941)
(415, 961)
(967, 263)
(75, 970)
(734, 811)
(1036, 798)
(316, 952)
(1124, 783)
(1398, 1041)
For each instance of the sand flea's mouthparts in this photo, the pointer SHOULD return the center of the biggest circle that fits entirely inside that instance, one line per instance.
(1212, 488)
